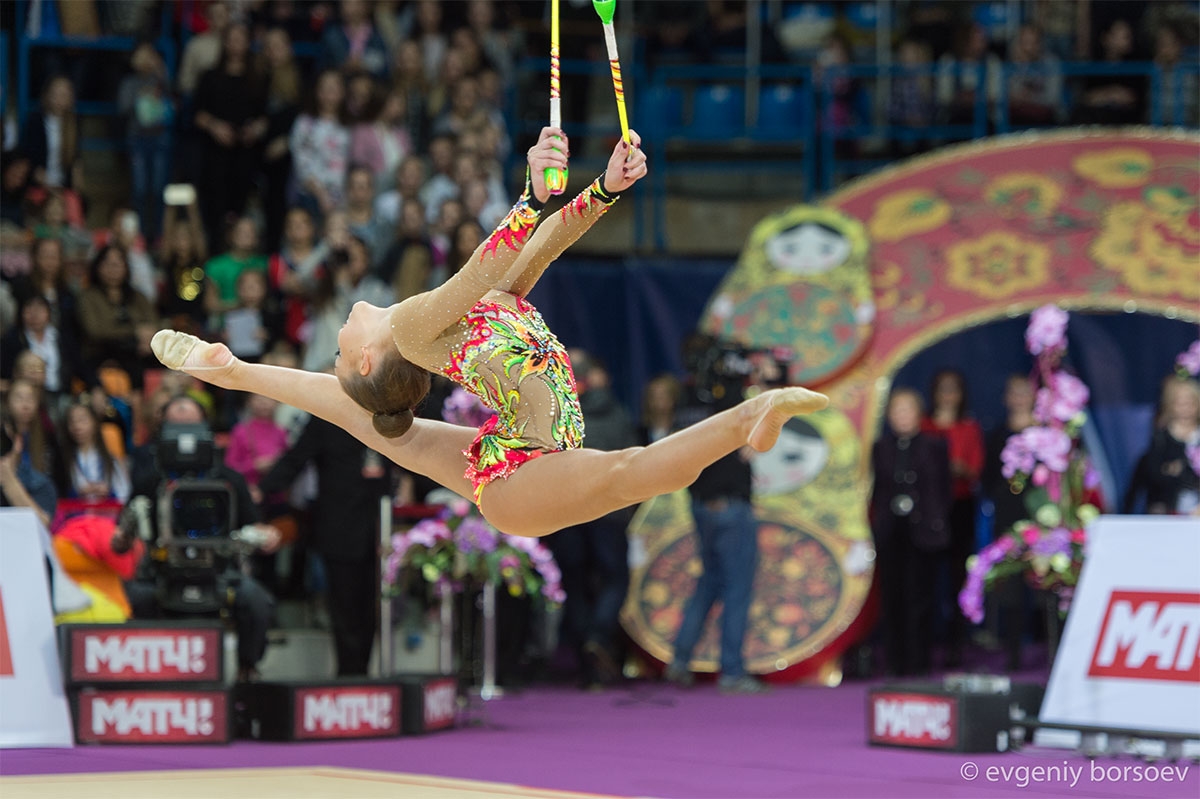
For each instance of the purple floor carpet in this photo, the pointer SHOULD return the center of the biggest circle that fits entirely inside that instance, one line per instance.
(663, 742)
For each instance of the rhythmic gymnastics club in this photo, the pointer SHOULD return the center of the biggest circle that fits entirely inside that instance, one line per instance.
(606, 8)
(556, 179)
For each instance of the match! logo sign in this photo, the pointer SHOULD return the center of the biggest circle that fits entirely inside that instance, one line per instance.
(1149, 635)
(363, 711)
(441, 704)
(144, 655)
(132, 716)
(914, 720)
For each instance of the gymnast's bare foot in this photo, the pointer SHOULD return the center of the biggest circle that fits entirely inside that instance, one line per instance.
(186, 353)
(772, 409)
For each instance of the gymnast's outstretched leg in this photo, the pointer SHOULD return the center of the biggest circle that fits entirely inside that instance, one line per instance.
(567, 488)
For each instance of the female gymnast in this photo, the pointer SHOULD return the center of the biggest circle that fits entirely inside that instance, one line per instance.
(480, 331)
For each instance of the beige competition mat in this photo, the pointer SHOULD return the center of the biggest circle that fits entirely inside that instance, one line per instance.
(265, 783)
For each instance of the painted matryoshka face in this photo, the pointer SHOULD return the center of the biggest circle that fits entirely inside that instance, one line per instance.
(795, 461)
(808, 249)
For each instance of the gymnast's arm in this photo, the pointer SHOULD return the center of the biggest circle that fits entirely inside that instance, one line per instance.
(419, 320)
(625, 167)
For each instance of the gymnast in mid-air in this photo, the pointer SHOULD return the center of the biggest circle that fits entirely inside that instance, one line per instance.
(524, 468)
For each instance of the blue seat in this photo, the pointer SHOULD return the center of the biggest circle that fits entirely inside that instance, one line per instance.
(781, 112)
(718, 111)
(659, 110)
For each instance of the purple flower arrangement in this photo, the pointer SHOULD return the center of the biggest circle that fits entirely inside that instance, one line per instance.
(1045, 464)
(464, 408)
(460, 546)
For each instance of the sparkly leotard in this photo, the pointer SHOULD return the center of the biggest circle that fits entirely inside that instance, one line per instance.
(478, 330)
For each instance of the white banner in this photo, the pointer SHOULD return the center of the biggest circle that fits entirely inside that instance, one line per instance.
(1130, 654)
(33, 706)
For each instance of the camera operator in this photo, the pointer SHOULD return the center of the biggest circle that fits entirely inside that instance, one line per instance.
(251, 606)
(726, 528)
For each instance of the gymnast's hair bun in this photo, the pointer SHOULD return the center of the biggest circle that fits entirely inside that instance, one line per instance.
(392, 425)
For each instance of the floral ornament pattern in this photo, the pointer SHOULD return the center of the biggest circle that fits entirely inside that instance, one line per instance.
(528, 351)
(1115, 168)
(1155, 252)
(516, 226)
(910, 212)
(591, 196)
(1029, 193)
(997, 265)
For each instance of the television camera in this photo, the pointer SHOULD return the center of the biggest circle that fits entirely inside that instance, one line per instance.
(197, 553)
(722, 369)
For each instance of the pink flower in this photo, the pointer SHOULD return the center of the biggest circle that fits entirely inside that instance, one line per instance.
(1193, 456)
(1047, 331)
(1049, 446)
(460, 507)
(1031, 535)
(1188, 361)
(1040, 474)
(1062, 400)
(1078, 536)
(464, 408)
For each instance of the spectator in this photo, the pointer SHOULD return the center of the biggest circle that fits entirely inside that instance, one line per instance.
(92, 472)
(256, 442)
(408, 264)
(468, 112)
(594, 556)
(1035, 80)
(346, 280)
(25, 419)
(222, 271)
(352, 479)
(125, 231)
(51, 138)
(1164, 474)
(911, 104)
(56, 221)
(353, 43)
(256, 324)
(22, 486)
(442, 83)
(359, 208)
(283, 79)
(966, 71)
(479, 205)
(58, 352)
(116, 321)
(1009, 508)
(964, 446)
(182, 257)
(230, 112)
(16, 178)
(1179, 86)
(362, 99)
(660, 398)
(443, 149)
(430, 37)
(144, 100)
(910, 502)
(294, 271)
(203, 50)
(465, 240)
(47, 279)
(394, 21)
(382, 144)
(843, 89)
(320, 145)
(411, 81)
(451, 214)
(1114, 99)
(410, 179)
(495, 38)
(1064, 26)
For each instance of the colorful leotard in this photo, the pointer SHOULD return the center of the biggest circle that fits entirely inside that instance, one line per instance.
(478, 330)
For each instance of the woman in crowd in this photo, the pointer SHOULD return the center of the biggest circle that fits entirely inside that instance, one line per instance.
(222, 271)
(320, 145)
(282, 76)
(1164, 474)
(525, 468)
(47, 279)
(181, 303)
(51, 138)
(382, 143)
(230, 105)
(295, 270)
(116, 322)
(91, 471)
(964, 442)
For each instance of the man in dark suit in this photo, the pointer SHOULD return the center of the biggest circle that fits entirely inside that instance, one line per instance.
(910, 504)
(351, 480)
